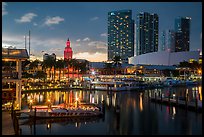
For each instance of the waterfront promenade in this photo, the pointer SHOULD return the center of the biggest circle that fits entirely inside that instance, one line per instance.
(7, 124)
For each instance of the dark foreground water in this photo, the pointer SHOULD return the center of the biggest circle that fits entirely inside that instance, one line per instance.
(137, 114)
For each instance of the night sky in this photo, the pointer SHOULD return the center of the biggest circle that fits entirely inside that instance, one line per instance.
(85, 24)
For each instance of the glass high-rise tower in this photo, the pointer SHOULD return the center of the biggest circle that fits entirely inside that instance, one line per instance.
(164, 41)
(171, 40)
(168, 40)
(182, 35)
(147, 28)
(120, 35)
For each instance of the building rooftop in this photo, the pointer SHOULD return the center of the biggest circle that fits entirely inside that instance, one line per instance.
(101, 65)
(158, 67)
(14, 54)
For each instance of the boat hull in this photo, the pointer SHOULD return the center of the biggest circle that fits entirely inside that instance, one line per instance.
(62, 114)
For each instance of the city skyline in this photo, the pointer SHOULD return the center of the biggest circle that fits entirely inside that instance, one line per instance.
(120, 35)
(85, 24)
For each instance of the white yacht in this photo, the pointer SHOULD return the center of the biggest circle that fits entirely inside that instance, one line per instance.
(133, 84)
(113, 85)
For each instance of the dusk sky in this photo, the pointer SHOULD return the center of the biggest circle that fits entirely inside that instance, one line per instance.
(85, 24)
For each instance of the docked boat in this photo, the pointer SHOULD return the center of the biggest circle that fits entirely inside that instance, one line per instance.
(63, 112)
(59, 111)
(171, 82)
(109, 85)
(132, 84)
(190, 82)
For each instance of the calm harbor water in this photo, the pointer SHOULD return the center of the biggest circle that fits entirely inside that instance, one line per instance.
(137, 114)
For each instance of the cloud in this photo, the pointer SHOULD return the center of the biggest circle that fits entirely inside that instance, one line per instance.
(86, 39)
(4, 12)
(92, 50)
(201, 35)
(94, 18)
(104, 35)
(53, 20)
(55, 50)
(95, 57)
(37, 44)
(78, 40)
(98, 44)
(10, 40)
(26, 18)
(91, 47)
(35, 24)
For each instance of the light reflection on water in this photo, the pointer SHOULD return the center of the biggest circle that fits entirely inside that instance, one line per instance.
(137, 114)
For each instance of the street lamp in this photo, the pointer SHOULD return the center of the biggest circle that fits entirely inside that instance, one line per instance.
(31, 102)
(77, 99)
(199, 72)
(49, 103)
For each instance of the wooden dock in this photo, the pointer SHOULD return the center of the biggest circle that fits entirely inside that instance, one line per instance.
(195, 105)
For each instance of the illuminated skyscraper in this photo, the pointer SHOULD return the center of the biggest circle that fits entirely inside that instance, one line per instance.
(68, 51)
(120, 35)
(168, 40)
(171, 40)
(182, 35)
(164, 41)
(147, 28)
(46, 56)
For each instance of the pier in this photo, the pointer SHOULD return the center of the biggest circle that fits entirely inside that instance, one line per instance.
(194, 105)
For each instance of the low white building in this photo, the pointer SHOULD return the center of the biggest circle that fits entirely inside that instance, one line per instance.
(164, 58)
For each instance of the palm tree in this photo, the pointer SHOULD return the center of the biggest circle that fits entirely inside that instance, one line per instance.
(40, 74)
(116, 63)
(67, 64)
(84, 67)
(49, 63)
(34, 64)
(60, 66)
(77, 67)
(108, 68)
(74, 65)
(25, 63)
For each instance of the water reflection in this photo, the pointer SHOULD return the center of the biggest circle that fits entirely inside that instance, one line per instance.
(126, 113)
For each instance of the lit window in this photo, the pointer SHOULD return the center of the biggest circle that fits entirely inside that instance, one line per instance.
(112, 13)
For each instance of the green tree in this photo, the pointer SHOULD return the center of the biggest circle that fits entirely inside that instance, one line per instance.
(184, 64)
(48, 64)
(74, 65)
(84, 67)
(40, 75)
(108, 68)
(25, 63)
(117, 63)
(34, 64)
(60, 66)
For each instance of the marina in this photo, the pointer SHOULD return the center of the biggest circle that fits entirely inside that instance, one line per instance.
(138, 73)
(119, 108)
(194, 105)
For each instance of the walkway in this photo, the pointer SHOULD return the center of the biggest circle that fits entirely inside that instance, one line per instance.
(7, 124)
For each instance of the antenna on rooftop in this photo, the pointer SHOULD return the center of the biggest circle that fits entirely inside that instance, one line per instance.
(29, 42)
(25, 41)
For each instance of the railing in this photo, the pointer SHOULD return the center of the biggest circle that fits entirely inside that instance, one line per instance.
(15, 121)
(12, 75)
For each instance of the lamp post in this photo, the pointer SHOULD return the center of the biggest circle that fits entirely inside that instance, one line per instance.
(49, 103)
(77, 99)
(31, 103)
